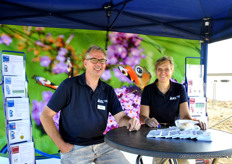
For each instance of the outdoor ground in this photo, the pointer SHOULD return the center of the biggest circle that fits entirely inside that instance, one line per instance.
(218, 111)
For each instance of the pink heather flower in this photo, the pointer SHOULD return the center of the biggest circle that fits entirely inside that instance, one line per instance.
(136, 52)
(128, 105)
(56, 119)
(113, 60)
(60, 68)
(39, 43)
(62, 51)
(48, 35)
(39, 28)
(37, 108)
(61, 36)
(45, 61)
(47, 96)
(129, 61)
(106, 75)
(143, 56)
(60, 58)
(120, 51)
(5, 39)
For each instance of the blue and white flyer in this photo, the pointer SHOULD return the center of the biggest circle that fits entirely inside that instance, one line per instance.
(17, 108)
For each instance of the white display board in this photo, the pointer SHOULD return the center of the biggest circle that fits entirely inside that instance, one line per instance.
(197, 106)
(12, 65)
(17, 108)
(23, 153)
(19, 131)
(15, 86)
(20, 144)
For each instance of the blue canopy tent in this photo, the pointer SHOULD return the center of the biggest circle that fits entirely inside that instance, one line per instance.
(189, 19)
(205, 20)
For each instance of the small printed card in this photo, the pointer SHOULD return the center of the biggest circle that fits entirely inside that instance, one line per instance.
(174, 132)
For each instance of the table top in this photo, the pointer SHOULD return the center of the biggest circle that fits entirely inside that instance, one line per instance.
(137, 143)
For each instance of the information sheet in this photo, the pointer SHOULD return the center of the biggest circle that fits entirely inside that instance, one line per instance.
(17, 108)
(23, 153)
(15, 86)
(19, 131)
(174, 132)
(197, 106)
(12, 65)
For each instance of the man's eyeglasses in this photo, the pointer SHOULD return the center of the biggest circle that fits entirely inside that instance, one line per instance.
(95, 60)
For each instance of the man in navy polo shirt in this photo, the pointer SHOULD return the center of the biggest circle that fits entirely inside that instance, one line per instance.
(85, 102)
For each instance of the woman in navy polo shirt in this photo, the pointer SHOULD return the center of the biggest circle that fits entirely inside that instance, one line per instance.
(164, 101)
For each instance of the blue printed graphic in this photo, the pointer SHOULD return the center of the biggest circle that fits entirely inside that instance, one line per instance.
(10, 103)
(11, 113)
(6, 58)
(12, 134)
(8, 89)
(7, 80)
(12, 126)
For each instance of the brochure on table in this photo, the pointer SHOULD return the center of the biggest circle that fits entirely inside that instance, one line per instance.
(174, 132)
(17, 109)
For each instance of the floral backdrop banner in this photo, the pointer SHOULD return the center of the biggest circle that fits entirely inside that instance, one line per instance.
(53, 55)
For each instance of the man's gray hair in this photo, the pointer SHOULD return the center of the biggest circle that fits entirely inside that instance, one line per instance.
(94, 48)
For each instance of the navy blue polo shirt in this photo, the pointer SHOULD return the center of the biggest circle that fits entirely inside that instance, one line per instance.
(164, 107)
(84, 113)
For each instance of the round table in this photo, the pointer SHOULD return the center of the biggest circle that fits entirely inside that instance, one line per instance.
(138, 143)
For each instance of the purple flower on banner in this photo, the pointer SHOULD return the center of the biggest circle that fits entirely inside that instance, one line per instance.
(60, 68)
(45, 61)
(56, 120)
(61, 58)
(106, 75)
(37, 108)
(47, 96)
(130, 102)
(5, 39)
(125, 49)
(62, 52)
(39, 43)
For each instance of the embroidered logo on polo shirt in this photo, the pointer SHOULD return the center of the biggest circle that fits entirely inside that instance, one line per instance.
(174, 98)
(102, 101)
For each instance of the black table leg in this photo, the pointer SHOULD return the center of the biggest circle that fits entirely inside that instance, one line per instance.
(139, 160)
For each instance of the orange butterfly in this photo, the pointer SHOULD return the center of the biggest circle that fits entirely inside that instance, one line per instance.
(139, 75)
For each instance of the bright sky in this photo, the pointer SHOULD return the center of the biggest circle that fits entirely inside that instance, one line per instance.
(220, 57)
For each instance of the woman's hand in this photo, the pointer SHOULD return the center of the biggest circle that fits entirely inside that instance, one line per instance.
(202, 125)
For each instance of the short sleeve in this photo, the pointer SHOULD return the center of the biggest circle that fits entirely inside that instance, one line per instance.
(183, 95)
(60, 97)
(145, 99)
(114, 104)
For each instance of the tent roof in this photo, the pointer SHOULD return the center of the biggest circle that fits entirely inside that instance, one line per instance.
(209, 20)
